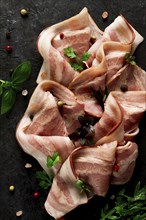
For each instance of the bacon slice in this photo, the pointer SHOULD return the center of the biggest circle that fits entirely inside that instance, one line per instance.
(43, 129)
(74, 29)
(130, 75)
(125, 158)
(91, 165)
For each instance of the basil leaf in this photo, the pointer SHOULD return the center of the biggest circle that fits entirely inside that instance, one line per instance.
(21, 73)
(8, 100)
(17, 86)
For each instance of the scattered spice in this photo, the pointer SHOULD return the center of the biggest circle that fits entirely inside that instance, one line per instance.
(60, 103)
(8, 35)
(24, 92)
(11, 188)
(116, 167)
(112, 197)
(93, 39)
(61, 36)
(11, 71)
(24, 12)
(28, 165)
(104, 14)
(9, 48)
(124, 88)
(36, 194)
(19, 213)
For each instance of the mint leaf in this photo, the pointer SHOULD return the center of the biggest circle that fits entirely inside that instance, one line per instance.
(130, 59)
(69, 52)
(85, 56)
(8, 100)
(21, 73)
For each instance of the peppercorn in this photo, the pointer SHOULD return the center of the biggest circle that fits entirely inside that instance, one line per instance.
(24, 92)
(24, 12)
(36, 194)
(8, 48)
(61, 36)
(8, 36)
(116, 167)
(19, 213)
(124, 87)
(11, 188)
(92, 39)
(60, 103)
(104, 14)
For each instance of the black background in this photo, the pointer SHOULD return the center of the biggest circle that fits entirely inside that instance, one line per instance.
(24, 33)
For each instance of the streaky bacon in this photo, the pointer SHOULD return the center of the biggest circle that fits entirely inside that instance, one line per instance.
(126, 156)
(91, 165)
(130, 75)
(43, 129)
(55, 67)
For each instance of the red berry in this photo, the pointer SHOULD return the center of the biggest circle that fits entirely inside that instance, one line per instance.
(36, 194)
(61, 36)
(9, 48)
(116, 167)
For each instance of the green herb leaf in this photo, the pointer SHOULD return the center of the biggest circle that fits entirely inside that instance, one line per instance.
(130, 59)
(69, 52)
(8, 100)
(82, 186)
(85, 56)
(76, 66)
(45, 180)
(1, 89)
(21, 73)
(127, 207)
(51, 161)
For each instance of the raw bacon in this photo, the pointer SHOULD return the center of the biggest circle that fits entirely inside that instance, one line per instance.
(91, 165)
(78, 29)
(64, 96)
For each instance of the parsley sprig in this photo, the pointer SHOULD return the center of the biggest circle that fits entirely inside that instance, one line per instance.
(9, 89)
(45, 180)
(76, 62)
(127, 207)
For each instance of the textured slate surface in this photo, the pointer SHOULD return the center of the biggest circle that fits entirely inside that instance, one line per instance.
(24, 32)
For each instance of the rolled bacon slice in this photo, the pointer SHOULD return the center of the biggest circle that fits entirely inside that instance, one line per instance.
(74, 32)
(93, 165)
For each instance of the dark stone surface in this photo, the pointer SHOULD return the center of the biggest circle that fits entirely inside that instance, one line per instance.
(24, 32)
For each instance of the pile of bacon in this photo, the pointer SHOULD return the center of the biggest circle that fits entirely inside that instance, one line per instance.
(89, 117)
